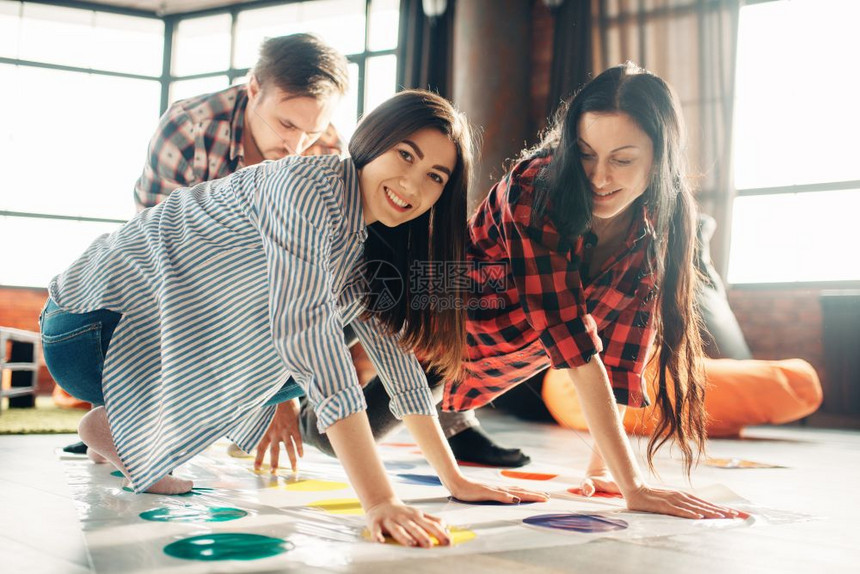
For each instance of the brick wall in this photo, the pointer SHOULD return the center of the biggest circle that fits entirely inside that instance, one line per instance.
(19, 308)
(781, 324)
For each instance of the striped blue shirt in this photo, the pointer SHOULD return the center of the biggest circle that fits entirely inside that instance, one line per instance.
(227, 289)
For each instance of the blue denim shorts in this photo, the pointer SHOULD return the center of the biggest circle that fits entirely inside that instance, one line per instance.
(75, 344)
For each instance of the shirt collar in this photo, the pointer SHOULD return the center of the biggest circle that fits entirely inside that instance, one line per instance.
(352, 200)
(237, 124)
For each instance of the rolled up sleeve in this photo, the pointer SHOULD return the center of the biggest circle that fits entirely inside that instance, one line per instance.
(400, 372)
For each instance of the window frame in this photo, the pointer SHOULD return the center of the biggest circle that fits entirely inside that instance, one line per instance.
(820, 186)
(167, 77)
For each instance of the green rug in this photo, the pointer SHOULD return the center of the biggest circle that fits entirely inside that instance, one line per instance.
(45, 418)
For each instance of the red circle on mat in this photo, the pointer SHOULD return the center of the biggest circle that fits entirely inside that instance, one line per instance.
(528, 475)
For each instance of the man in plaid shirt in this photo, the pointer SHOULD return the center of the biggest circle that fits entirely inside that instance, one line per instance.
(284, 109)
(542, 303)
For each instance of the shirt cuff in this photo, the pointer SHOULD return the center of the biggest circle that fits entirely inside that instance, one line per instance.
(417, 401)
(572, 344)
(628, 387)
(345, 402)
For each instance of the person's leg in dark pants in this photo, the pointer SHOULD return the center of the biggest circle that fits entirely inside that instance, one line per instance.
(74, 346)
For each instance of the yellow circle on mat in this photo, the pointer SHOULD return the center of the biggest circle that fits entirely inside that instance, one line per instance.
(339, 506)
(310, 485)
(458, 536)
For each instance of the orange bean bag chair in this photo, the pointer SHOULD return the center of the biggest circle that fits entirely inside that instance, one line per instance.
(66, 401)
(740, 393)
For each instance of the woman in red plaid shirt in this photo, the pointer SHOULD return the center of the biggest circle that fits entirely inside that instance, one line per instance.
(583, 261)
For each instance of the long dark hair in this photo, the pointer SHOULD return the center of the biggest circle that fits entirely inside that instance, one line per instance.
(430, 317)
(670, 205)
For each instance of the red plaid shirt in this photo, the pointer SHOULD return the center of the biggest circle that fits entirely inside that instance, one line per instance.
(535, 310)
(200, 139)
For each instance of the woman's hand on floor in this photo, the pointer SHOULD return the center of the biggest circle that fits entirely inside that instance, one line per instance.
(470, 490)
(406, 524)
(675, 503)
(284, 428)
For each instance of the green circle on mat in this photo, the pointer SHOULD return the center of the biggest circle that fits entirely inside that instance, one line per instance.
(190, 513)
(227, 546)
(117, 473)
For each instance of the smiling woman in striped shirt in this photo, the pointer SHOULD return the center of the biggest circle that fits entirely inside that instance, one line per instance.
(200, 315)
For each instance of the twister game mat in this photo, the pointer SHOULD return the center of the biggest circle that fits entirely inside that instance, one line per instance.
(240, 520)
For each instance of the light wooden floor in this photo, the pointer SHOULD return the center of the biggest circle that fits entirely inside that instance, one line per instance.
(39, 529)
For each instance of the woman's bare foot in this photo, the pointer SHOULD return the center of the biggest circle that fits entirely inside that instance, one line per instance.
(95, 432)
(169, 485)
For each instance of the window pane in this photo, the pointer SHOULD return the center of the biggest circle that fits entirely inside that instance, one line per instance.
(778, 238)
(380, 82)
(189, 88)
(346, 114)
(126, 44)
(95, 136)
(202, 45)
(340, 23)
(796, 117)
(45, 247)
(88, 39)
(10, 28)
(56, 35)
(254, 26)
(384, 24)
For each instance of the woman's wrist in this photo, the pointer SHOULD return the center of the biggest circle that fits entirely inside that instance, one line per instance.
(452, 480)
(370, 505)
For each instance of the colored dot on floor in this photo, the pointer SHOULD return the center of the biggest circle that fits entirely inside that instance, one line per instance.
(425, 479)
(339, 506)
(191, 513)
(309, 485)
(458, 536)
(397, 465)
(488, 502)
(576, 522)
(578, 491)
(117, 473)
(196, 491)
(527, 475)
(227, 546)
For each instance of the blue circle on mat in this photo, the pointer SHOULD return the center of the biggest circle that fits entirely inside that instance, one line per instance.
(577, 522)
(395, 465)
(489, 502)
(425, 479)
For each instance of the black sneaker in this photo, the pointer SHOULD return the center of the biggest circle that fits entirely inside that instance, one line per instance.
(76, 448)
(474, 445)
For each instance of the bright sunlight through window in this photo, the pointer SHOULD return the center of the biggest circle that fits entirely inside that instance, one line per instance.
(795, 143)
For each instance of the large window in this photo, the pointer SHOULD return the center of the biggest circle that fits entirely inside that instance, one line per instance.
(83, 91)
(79, 102)
(795, 143)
